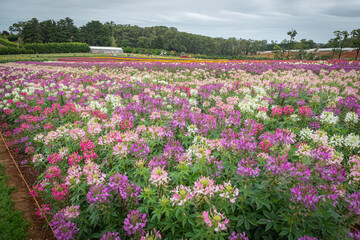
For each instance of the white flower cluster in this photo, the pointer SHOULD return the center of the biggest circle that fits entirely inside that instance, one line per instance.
(351, 118)
(193, 92)
(192, 129)
(97, 106)
(328, 118)
(193, 102)
(262, 116)
(114, 100)
(306, 134)
(352, 141)
(251, 104)
(336, 141)
(183, 95)
(294, 117)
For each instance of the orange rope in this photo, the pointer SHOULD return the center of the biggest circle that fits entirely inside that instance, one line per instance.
(23, 178)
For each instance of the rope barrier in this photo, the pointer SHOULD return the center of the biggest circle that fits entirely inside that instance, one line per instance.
(23, 178)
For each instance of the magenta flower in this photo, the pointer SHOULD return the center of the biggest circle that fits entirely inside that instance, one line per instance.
(60, 191)
(43, 211)
(159, 176)
(248, 168)
(288, 110)
(238, 236)
(215, 220)
(98, 194)
(111, 236)
(63, 229)
(305, 111)
(276, 111)
(305, 195)
(135, 223)
(53, 172)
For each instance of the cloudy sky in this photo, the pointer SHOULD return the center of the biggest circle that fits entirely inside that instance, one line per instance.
(254, 19)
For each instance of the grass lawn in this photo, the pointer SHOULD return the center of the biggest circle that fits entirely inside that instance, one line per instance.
(12, 223)
(44, 57)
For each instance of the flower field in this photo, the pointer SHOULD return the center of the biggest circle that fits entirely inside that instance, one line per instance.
(189, 150)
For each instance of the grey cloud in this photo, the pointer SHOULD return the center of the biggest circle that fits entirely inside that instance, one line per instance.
(256, 19)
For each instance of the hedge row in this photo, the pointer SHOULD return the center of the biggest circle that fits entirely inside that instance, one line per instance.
(46, 48)
(57, 47)
(7, 43)
(9, 50)
(142, 50)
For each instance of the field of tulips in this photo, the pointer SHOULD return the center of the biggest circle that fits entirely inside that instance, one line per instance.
(189, 150)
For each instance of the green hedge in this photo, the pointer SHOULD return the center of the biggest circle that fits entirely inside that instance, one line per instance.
(57, 47)
(12, 37)
(7, 43)
(142, 50)
(8, 51)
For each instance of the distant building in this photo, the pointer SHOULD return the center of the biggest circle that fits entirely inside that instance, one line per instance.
(106, 50)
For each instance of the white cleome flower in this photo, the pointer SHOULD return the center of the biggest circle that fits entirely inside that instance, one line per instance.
(352, 141)
(351, 118)
(328, 118)
(336, 141)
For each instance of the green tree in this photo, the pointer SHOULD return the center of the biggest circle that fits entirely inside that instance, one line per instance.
(31, 32)
(95, 33)
(279, 52)
(339, 42)
(125, 43)
(301, 47)
(16, 28)
(48, 31)
(355, 41)
(143, 42)
(292, 35)
(111, 25)
(67, 31)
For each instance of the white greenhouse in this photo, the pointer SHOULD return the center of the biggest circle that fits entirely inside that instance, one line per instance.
(106, 50)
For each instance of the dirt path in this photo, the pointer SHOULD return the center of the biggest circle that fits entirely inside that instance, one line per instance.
(21, 197)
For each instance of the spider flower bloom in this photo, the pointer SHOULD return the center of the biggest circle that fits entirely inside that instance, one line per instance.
(159, 176)
(181, 195)
(135, 223)
(63, 229)
(215, 220)
(54, 158)
(127, 190)
(60, 191)
(306, 195)
(71, 211)
(354, 203)
(74, 158)
(306, 237)
(205, 186)
(248, 168)
(53, 172)
(43, 211)
(98, 194)
(277, 111)
(305, 111)
(152, 236)
(228, 191)
(288, 110)
(238, 236)
(354, 162)
(111, 236)
(265, 145)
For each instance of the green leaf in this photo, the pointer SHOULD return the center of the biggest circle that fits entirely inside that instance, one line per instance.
(268, 226)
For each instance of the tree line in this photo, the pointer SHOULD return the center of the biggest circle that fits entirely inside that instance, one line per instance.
(128, 36)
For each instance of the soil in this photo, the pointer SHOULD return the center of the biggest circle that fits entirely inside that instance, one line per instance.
(21, 197)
